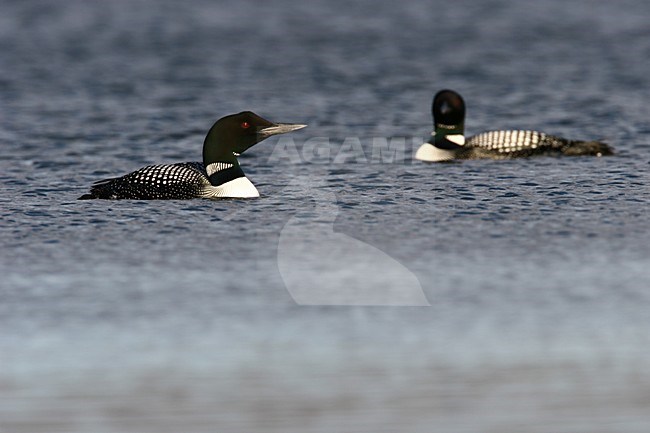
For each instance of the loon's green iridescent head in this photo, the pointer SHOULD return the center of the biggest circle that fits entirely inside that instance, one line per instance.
(234, 134)
(448, 110)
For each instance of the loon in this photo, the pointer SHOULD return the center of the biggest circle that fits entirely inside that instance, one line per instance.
(218, 176)
(448, 141)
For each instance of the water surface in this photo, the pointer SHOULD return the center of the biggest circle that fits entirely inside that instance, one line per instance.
(173, 316)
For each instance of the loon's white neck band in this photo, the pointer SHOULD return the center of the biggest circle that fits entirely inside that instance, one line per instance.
(217, 166)
(458, 139)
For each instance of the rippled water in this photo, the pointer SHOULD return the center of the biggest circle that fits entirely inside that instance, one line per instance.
(179, 316)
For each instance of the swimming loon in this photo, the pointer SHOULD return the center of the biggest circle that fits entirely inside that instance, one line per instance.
(448, 141)
(218, 176)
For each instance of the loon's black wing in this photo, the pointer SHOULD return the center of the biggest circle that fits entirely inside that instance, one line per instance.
(522, 143)
(155, 182)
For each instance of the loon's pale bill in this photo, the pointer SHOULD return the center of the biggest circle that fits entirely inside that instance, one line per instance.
(280, 128)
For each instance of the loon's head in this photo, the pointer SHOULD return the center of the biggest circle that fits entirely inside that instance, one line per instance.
(234, 134)
(448, 110)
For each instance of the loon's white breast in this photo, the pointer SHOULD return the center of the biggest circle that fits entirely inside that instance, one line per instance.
(430, 153)
(236, 188)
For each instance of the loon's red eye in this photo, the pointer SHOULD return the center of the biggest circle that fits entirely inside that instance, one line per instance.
(245, 125)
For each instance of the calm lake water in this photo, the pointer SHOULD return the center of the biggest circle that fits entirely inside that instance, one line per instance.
(514, 294)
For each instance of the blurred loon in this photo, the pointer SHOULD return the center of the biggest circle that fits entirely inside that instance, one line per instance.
(448, 141)
(218, 176)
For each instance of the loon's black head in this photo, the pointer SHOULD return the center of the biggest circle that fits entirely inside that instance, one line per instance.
(447, 138)
(234, 134)
(448, 109)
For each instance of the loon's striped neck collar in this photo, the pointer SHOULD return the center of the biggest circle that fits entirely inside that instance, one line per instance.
(448, 136)
(217, 167)
(443, 129)
(222, 172)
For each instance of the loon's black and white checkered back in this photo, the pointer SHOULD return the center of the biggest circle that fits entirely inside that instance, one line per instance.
(513, 141)
(166, 181)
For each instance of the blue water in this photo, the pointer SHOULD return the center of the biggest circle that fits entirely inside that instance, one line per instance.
(173, 316)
